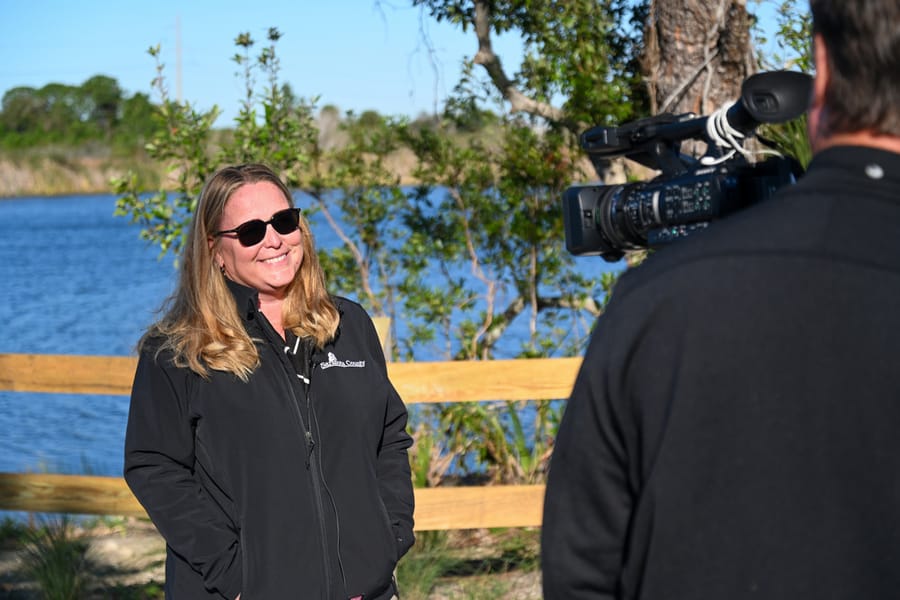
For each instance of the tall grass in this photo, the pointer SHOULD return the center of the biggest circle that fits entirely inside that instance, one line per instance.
(419, 571)
(57, 559)
(467, 564)
(790, 139)
(483, 442)
(12, 532)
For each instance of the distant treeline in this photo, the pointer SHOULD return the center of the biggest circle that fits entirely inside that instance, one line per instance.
(57, 114)
(98, 112)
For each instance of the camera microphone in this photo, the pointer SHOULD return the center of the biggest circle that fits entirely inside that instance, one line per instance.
(771, 97)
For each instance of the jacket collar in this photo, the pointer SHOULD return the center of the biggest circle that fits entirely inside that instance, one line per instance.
(246, 298)
(862, 161)
(247, 301)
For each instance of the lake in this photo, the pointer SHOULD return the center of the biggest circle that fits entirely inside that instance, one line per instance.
(77, 280)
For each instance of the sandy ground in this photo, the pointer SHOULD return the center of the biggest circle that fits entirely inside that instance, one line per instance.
(125, 557)
(128, 556)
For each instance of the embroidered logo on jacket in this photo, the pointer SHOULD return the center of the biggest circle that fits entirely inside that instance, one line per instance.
(334, 362)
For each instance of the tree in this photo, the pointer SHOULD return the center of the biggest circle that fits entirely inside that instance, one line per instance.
(386, 228)
(42, 116)
(582, 52)
(697, 54)
(63, 115)
(793, 37)
(475, 249)
(577, 52)
(95, 111)
(22, 110)
(102, 100)
(587, 63)
(136, 125)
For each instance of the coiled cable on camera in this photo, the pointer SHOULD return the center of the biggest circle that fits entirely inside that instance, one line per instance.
(722, 134)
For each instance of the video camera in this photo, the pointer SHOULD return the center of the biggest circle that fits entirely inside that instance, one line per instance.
(690, 192)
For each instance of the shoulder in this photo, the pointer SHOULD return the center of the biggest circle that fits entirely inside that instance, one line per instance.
(349, 307)
(352, 313)
(800, 219)
(353, 317)
(156, 353)
(357, 328)
(154, 346)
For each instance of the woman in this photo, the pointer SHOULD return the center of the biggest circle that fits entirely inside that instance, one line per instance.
(264, 438)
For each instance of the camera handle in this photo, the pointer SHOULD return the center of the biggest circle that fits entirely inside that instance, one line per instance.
(655, 142)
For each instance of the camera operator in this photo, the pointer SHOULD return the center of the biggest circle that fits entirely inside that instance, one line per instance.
(734, 431)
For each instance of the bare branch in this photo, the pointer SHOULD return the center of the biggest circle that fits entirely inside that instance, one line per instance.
(478, 272)
(587, 303)
(517, 306)
(533, 293)
(361, 263)
(687, 82)
(710, 50)
(500, 324)
(485, 57)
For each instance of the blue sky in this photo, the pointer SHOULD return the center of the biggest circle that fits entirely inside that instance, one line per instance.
(355, 54)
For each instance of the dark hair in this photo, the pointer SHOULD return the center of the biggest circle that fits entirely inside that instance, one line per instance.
(862, 41)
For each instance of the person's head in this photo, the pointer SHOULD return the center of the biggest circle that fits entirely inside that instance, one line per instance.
(857, 53)
(275, 256)
(253, 232)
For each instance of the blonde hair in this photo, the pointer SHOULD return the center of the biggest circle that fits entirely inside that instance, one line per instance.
(201, 324)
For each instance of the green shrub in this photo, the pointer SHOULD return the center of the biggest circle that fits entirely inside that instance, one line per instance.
(11, 531)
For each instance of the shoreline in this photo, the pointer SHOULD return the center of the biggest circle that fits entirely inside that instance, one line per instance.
(44, 175)
(51, 172)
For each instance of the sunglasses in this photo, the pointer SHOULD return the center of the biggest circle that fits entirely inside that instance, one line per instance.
(252, 232)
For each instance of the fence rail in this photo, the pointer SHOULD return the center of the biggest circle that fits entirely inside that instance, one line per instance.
(417, 382)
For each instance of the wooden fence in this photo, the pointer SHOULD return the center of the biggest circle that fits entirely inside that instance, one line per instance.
(442, 508)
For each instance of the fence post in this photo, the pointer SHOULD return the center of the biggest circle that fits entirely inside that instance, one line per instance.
(383, 327)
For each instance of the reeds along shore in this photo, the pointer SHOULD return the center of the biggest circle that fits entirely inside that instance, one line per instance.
(58, 175)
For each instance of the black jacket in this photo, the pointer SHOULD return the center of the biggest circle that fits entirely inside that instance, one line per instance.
(270, 488)
(733, 432)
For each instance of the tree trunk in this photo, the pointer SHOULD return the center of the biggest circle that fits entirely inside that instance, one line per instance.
(697, 54)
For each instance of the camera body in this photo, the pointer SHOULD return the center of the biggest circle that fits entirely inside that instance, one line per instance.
(608, 220)
(690, 193)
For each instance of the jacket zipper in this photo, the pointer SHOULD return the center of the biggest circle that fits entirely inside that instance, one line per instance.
(315, 466)
(312, 468)
(310, 459)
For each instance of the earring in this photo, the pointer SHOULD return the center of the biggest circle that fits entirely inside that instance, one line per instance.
(222, 269)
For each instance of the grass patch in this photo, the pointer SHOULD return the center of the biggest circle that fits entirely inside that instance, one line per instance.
(469, 564)
(480, 564)
(426, 562)
(149, 591)
(12, 532)
(57, 559)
